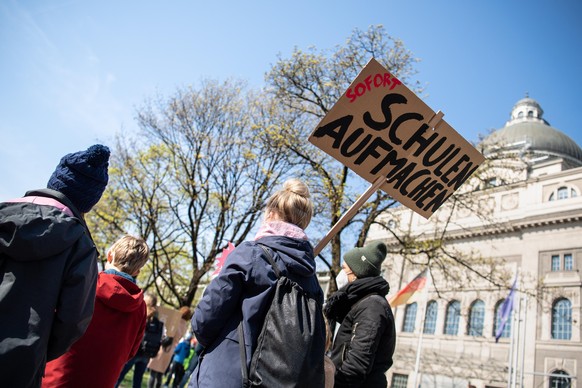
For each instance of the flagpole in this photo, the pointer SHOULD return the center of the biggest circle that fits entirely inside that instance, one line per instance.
(510, 358)
(512, 336)
(517, 342)
(420, 337)
(524, 337)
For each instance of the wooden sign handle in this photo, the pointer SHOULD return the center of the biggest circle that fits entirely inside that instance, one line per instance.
(349, 214)
(435, 120)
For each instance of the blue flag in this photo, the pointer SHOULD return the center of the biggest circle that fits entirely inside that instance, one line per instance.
(505, 313)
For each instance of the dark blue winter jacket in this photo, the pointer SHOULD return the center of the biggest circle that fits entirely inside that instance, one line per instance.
(243, 290)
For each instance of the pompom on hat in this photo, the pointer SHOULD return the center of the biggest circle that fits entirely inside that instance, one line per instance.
(82, 176)
(366, 261)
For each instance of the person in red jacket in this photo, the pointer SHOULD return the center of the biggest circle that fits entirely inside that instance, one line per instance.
(116, 330)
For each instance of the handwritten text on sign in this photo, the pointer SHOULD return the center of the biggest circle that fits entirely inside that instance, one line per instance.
(380, 128)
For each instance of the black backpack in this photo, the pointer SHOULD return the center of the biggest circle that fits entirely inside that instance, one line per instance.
(291, 344)
(152, 339)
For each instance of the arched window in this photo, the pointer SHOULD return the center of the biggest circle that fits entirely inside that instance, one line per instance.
(430, 317)
(476, 318)
(452, 318)
(563, 192)
(559, 381)
(530, 113)
(562, 319)
(507, 328)
(409, 318)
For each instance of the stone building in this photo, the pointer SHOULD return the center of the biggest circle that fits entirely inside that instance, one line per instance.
(534, 233)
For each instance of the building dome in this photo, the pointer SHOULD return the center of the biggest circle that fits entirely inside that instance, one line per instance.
(527, 133)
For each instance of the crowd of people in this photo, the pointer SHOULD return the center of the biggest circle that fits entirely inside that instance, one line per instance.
(73, 326)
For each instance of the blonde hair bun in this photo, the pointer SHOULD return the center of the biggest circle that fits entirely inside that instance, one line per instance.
(292, 203)
(295, 186)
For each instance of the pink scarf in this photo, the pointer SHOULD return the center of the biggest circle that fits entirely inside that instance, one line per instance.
(280, 228)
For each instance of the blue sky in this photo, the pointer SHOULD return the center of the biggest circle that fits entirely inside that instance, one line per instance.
(73, 72)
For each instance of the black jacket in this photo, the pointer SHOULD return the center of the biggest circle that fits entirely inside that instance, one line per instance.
(48, 275)
(152, 339)
(363, 347)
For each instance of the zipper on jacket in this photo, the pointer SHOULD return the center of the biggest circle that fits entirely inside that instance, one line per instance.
(354, 331)
(347, 346)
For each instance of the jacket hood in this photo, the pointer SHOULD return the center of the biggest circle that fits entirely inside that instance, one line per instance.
(296, 254)
(118, 293)
(30, 232)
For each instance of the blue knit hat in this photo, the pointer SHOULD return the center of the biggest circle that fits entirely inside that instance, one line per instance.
(82, 176)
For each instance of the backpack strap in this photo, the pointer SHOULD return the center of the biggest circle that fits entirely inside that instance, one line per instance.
(241, 333)
(271, 261)
(243, 356)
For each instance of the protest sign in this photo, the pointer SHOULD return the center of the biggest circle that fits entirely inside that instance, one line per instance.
(171, 319)
(380, 128)
(387, 135)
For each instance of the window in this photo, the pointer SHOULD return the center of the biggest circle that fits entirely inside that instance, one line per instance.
(555, 263)
(559, 381)
(452, 318)
(409, 318)
(563, 262)
(507, 328)
(399, 381)
(563, 192)
(476, 318)
(530, 113)
(568, 263)
(562, 319)
(431, 317)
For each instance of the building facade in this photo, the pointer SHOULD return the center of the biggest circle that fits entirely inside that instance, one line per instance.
(533, 233)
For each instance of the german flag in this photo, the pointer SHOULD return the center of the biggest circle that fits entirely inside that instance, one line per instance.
(406, 293)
